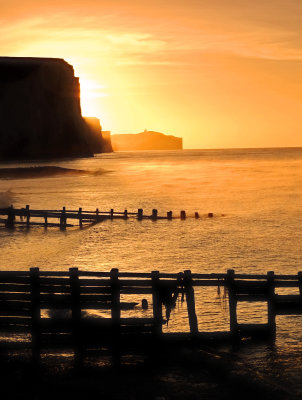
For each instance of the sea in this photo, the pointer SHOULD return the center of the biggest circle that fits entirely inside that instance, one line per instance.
(255, 196)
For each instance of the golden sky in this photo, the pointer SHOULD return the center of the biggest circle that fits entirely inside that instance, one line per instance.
(219, 73)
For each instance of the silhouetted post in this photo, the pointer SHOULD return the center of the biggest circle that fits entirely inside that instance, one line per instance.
(27, 214)
(196, 215)
(45, 219)
(111, 213)
(182, 215)
(140, 214)
(157, 305)
(115, 316)
(210, 215)
(169, 215)
(75, 293)
(126, 214)
(300, 282)
(271, 304)
(63, 218)
(35, 314)
(190, 302)
(232, 302)
(154, 214)
(80, 217)
(97, 212)
(10, 222)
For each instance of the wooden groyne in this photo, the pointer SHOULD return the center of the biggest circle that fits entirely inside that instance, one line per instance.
(28, 216)
(66, 309)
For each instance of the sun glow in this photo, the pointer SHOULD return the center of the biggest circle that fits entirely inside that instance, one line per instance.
(91, 91)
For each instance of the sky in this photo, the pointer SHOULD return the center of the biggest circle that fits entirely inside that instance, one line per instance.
(219, 73)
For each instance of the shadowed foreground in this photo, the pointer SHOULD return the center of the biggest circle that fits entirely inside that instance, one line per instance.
(181, 373)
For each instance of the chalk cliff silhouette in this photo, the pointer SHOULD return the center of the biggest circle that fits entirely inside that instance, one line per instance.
(40, 112)
(147, 140)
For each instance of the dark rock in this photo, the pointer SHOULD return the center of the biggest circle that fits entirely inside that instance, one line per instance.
(99, 140)
(40, 112)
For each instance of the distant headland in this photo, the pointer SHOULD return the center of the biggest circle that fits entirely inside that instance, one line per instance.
(40, 112)
(147, 140)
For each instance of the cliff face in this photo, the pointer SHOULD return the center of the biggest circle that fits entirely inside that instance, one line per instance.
(147, 140)
(100, 140)
(40, 113)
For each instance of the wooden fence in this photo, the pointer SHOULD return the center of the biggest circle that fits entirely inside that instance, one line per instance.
(43, 309)
(30, 216)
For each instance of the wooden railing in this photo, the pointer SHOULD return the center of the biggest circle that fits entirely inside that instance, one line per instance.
(83, 310)
(30, 216)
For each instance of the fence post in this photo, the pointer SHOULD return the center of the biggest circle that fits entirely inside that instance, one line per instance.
(76, 315)
(157, 305)
(154, 214)
(271, 315)
(232, 303)
(169, 215)
(140, 214)
(190, 302)
(45, 219)
(115, 316)
(35, 314)
(80, 217)
(300, 282)
(27, 213)
(10, 222)
(182, 215)
(63, 218)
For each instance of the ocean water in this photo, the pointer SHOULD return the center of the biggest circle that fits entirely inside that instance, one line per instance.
(254, 194)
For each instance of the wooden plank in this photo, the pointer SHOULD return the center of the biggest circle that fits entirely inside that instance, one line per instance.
(14, 313)
(14, 296)
(54, 289)
(95, 297)
(134, 290)
(15, 321)
(54, 281)
(14, 305)
(14, 279)
(95, 289)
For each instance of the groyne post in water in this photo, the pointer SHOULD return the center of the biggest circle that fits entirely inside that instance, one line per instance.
(76, 315)
(63, 219)
(35, 313)
(182, 214)
(115, 316)
(271, 314)
(169, 215)
(157, 304)
(140, 214)
(10, 222)
(80, 217)
(154, 214)
(300, 282)
(190, 303)
(232, 303)
(27, 214)
(126, 214)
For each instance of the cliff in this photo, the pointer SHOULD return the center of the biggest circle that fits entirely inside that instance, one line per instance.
(40, 112)
(100, 140)
(147, 140)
